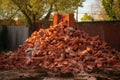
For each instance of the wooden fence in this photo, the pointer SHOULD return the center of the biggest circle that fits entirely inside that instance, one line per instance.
(109, 31)
(12, 36)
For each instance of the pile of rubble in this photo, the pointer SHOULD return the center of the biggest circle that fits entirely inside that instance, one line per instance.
(61, 49)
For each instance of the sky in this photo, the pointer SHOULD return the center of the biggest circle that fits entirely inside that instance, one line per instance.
(88, 7)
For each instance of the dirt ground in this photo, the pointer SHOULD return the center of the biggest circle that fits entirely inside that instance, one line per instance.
(104, 74)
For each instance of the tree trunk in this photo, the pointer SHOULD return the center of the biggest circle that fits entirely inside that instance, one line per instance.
(31, 22)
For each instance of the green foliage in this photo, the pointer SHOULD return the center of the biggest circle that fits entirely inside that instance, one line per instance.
(7, 9)
(66, 6)
(112, 8)
(86, 17)
(43, 8)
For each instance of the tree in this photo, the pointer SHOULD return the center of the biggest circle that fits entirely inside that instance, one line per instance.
(33, 10)
(103, 15)
(97, 11)
(112, 8)
(86, 17)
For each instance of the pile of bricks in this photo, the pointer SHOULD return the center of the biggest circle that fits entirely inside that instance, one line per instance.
(61, 49)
